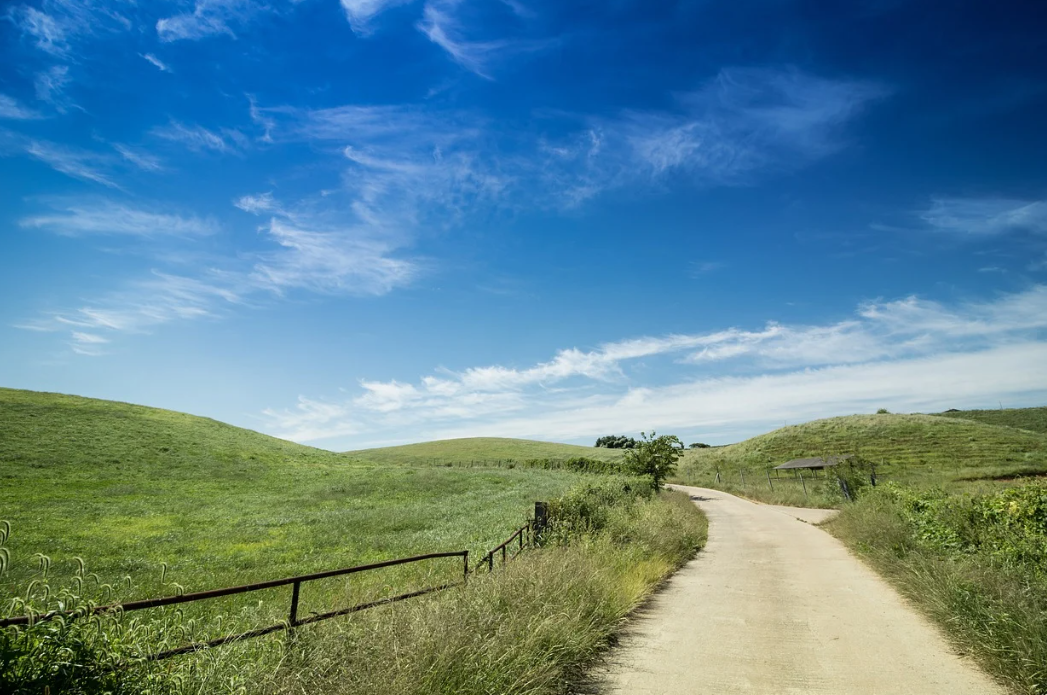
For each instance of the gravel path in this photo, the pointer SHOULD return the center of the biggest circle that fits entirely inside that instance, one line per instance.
(776, 605)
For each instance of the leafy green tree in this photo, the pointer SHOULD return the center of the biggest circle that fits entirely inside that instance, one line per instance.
(654, 456)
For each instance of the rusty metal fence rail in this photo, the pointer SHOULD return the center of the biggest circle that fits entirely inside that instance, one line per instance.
(293, 620)
(525, 536)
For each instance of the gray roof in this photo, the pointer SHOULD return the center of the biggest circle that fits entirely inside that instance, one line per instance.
(814, 462)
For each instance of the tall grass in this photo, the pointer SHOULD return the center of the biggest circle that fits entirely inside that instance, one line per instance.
(975, 563)
(529, 628)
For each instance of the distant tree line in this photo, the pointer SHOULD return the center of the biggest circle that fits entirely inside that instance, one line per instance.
(616, 442)
(699, 445)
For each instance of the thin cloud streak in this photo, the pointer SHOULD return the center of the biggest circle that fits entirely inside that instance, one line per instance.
(11, 108)
(986, 217)
(108, 218)
(579, 386)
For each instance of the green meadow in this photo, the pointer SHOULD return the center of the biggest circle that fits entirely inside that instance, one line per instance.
(177, 503)
(130, 489)
(920, 450)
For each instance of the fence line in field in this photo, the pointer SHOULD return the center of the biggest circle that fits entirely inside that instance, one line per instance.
(526, 536)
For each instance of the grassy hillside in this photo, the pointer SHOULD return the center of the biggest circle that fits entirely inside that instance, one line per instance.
(133, 489)
(1032, 419)
(479, 451)
(128, 488)
(919, 449)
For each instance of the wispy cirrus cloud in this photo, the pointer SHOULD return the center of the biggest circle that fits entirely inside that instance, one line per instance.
(90, 344)
(985, 217)
(157, 63)
(361, 12)
(140, 158)
(105, 217)
(55, 24)
(208, 18)
(441, 24)
(299, 253)
(445, 31)
(11, 108)
(50, 86)
(80, 164)
(330, 262)
(197, 138)
(878, 355)
(741, 125)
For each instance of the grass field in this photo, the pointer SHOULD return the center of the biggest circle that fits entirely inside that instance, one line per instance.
(480, 451)
(915, 449)
(181, 503)
(129, 488)
(1032, 419)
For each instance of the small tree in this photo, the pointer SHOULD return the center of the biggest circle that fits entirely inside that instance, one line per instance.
(654, 456)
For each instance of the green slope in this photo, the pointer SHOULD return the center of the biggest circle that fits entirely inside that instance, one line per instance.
(128, 488)
(480, 451)
(1032, 419)
(920, 449)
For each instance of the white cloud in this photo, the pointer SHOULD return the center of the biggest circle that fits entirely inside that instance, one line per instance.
(88, 344)
(196, 138)
(79, 164)
(440, 24)
(741, 125)
(910, 353)
(256, 204)
(159, 64)
(142, 160)
(108, 218)
(751, 404)
(325, 260)
(10, 108)
(208, 18)
(333, 262)
(361, 12)
(49, 32)
(443, 30)
(986, 216)
(56, 23)
(51, 83)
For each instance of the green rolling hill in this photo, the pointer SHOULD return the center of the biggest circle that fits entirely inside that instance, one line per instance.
(480, 451)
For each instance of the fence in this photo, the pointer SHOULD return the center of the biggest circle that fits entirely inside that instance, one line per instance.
(525, 535)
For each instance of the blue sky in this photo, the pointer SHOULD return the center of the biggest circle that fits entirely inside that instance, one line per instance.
(367, 222)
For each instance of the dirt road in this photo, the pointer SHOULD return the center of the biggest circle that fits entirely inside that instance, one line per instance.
(776, 605)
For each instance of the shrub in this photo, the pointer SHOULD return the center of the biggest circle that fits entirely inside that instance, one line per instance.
(655, 457)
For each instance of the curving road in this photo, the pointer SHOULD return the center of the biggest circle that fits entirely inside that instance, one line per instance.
(776, 605)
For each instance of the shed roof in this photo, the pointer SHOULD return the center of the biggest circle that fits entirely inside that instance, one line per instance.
(814, 462)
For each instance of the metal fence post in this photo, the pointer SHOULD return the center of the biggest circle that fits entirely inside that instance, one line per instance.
(465, 567)
(296, 588)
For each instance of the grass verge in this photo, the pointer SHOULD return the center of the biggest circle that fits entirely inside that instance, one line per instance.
(529, 628)
(977, 564)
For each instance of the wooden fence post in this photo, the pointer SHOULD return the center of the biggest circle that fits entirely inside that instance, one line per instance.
(541, 520)
(769, 484)
(804, 485)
